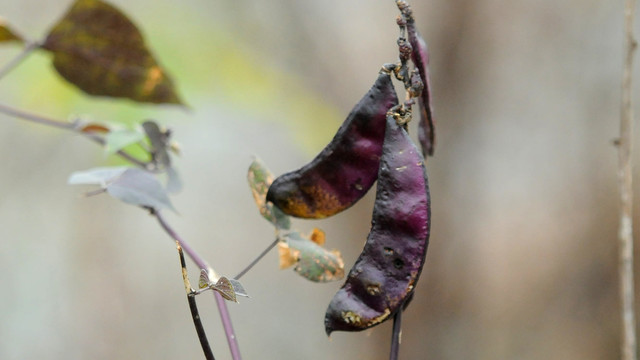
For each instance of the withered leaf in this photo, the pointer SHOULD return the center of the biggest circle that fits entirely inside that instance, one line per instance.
(260, 178)
(317, 236)
(95, 128)
(98, 49)
(311, 260)
(287, 256)
(7, 34)
(159, 139)
(228, 288)
(225, 288)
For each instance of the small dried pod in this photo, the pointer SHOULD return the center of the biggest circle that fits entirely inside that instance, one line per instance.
(346, 168)
(420, 58)
(385, 273)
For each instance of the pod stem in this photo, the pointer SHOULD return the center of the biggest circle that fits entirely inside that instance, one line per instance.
(396, 335)
(257, 259)
(410, 78)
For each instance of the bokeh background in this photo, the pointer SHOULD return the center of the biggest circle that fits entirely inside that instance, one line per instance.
(522, 260)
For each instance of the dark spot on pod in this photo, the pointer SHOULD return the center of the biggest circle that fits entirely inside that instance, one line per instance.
(398, 263)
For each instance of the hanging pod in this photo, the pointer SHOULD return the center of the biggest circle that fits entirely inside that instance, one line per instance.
(386, 272)
(420, 58)
(346, 168)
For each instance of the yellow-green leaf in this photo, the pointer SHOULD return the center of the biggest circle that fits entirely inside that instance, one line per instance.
(98, 49)
(312, 261)
(260, 178)
(7, 34)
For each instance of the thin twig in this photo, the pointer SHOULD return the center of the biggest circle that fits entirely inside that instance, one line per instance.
(26, 51)
(195, 315)
(396, 335)
(222, 306)
(65, 125)
(256, 260)
(625, 230)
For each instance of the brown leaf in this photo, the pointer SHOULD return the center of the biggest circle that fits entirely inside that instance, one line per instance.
(7, 34)
(317, 236)
(311, 261)
(95, 128)
(287, 256)
(98, 49)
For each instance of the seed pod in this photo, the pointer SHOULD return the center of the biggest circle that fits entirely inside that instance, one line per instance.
(385, 274)
(346, 168)
(420, 58)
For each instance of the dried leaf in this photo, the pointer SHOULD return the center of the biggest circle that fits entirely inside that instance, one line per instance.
(98, 49)
(287, 257)
(317, 236)
(225, 288)
(204, 281)
(7, 34)
(118, 139)
(313, 261)
(260, 178)
(95, 128)
(238, 288)
(228, 288)
(159, 139)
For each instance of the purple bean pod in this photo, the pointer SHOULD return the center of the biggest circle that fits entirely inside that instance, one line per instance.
(385, 274)
(346, 168)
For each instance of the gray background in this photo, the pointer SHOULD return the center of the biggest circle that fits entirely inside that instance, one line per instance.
(522, 261)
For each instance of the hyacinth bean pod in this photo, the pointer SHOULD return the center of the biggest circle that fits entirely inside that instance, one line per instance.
(385, 273)
(420, 58)
(346, 168)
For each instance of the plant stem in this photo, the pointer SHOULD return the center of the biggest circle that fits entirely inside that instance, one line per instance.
(625, 230)
(26, 51)
(228, 326)
(195, 315)
(65, 125)
(185, 246)
(222, 306)
(396, 335)
(208, 354)
(256, 260)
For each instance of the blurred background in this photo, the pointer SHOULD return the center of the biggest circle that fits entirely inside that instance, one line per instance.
(522, 259)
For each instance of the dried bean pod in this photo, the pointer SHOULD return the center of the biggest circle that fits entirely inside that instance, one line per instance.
(385, 274)
(420, 58)
(346, 168)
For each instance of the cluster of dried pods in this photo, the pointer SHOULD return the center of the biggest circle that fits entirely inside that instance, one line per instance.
(373, 144)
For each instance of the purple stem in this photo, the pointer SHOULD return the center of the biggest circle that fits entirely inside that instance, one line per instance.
(66, 126)
(222, 306)
(228, 326)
